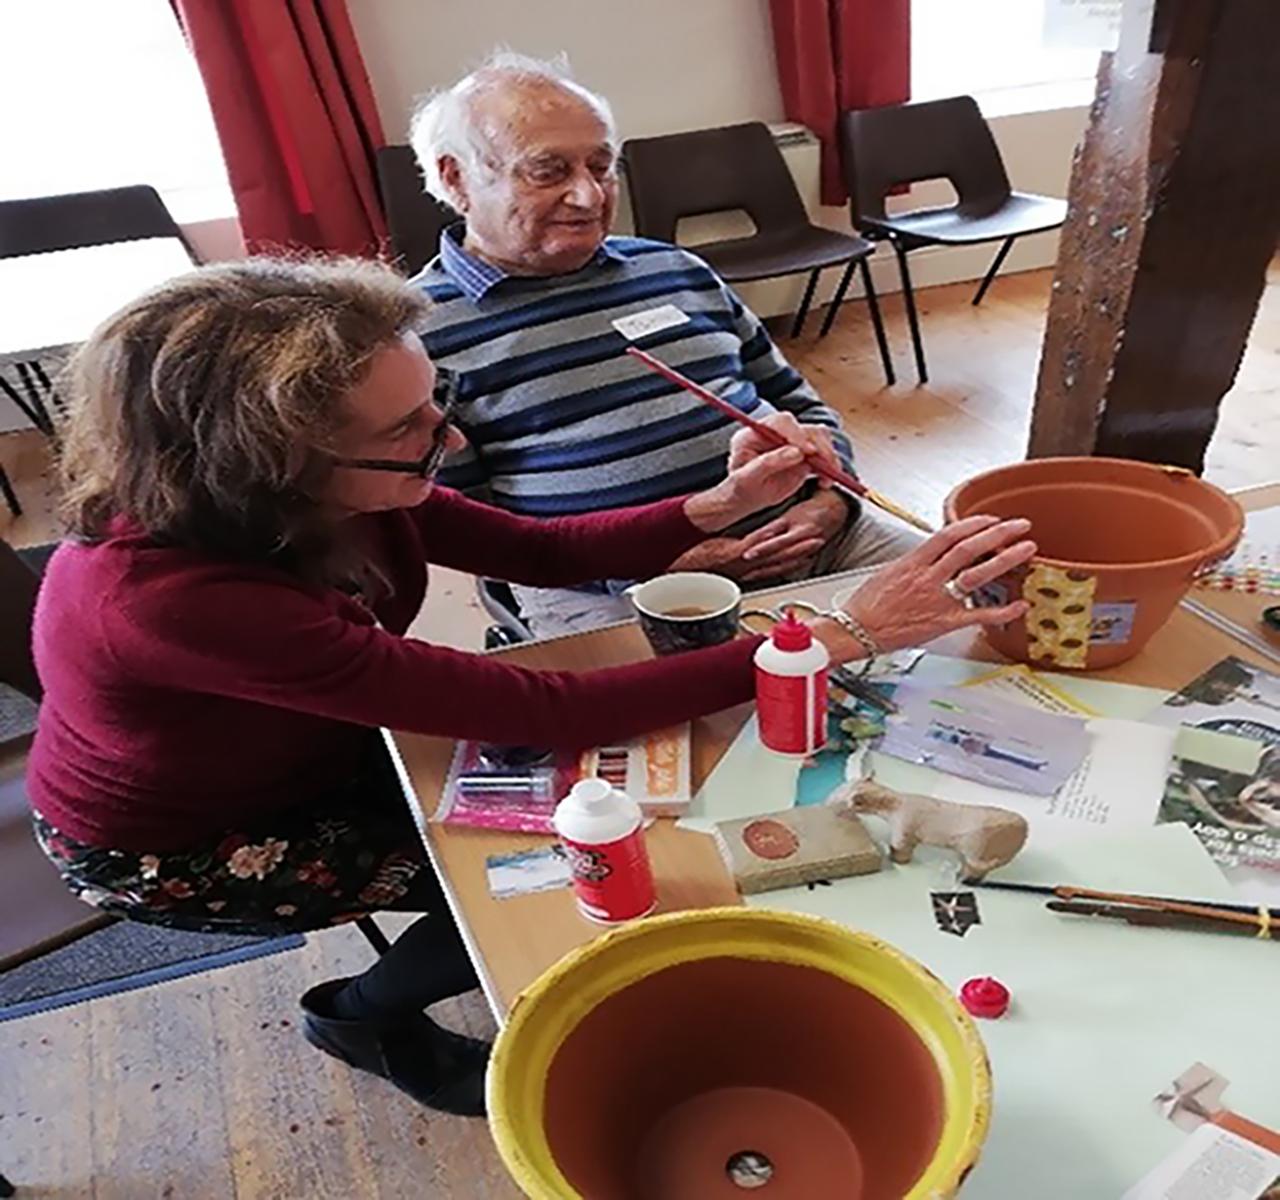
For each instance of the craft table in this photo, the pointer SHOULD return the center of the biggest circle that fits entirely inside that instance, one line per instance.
(512, 941)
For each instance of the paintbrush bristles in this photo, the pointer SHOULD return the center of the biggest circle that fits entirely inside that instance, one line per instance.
(896, 510)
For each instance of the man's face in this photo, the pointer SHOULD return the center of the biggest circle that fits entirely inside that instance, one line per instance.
(548, 197)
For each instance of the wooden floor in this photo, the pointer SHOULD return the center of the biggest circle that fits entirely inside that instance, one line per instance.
(204, 1088)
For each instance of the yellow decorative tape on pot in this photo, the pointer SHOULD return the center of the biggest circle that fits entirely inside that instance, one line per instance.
(1061, 615)
(671, 1053)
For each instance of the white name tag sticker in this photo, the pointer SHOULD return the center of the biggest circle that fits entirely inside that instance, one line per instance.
(652, 320)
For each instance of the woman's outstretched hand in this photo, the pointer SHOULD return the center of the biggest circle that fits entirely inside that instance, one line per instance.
(907, 603)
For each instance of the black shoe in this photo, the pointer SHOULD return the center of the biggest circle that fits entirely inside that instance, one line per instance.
(438, 1068)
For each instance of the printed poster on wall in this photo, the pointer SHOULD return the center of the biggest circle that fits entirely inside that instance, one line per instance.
(1082, 24)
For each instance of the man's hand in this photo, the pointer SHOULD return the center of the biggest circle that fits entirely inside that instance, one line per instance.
(760, 483)
(814, 440)
(789, 545)
(723, 555)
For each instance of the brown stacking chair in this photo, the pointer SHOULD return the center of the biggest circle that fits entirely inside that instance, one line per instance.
(939, 139)
(415, 218)
(740, 167)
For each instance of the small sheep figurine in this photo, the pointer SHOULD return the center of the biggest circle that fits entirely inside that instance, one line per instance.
(983, 836)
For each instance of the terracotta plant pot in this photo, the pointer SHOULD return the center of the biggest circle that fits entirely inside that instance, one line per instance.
(702, 1055)
(1120, 543)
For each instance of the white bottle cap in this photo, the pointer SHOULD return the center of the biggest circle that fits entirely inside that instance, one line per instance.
(594, 812)
(593, 794)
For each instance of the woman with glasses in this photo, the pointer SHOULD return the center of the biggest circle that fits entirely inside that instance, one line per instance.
(247, 486)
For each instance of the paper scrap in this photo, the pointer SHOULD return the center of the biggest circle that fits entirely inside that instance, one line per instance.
(955, 912)
(1211, 1164)
(1082, 24)
(964, 733)
(1191, 1099)
(1019, 684)
(1227, 790)
(1233, 696)
(527, 871)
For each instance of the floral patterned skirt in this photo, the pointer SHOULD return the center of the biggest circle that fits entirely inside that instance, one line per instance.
(351, 852)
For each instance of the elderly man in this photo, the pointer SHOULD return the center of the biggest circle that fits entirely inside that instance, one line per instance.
(558, 418)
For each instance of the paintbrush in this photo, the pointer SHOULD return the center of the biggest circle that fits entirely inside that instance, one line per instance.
(842, 479)
(1165, 903)
(1226, 922)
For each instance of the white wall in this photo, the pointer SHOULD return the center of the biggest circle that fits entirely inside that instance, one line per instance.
(687, 64)
(665, 65)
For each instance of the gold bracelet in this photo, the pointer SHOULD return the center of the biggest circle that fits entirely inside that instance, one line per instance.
(865, 640)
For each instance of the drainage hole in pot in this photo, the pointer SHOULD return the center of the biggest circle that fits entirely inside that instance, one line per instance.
(749, 1169)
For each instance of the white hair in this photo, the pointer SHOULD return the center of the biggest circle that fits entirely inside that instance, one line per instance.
(444, 121)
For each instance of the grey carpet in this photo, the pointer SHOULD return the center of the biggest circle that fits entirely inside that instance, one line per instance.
(37, 557)
(17, 713)
(121, 957)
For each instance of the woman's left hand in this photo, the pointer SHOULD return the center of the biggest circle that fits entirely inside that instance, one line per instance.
(761, 481)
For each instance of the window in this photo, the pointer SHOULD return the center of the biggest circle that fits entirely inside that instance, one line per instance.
(996, 50)
(105, 93)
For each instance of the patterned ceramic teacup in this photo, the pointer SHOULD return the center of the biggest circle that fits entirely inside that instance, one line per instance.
(687, 610)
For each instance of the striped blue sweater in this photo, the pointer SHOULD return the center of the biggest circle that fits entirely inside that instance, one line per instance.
(558, 418)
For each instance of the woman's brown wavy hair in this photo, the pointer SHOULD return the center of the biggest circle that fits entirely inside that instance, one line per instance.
(200, 410)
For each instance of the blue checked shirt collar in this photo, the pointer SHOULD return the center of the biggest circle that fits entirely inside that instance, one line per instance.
(478, 278)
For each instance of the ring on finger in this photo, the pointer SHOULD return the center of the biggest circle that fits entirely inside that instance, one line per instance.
(957, 593)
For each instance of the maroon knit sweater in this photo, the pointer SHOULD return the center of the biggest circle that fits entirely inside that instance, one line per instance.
(186, 694)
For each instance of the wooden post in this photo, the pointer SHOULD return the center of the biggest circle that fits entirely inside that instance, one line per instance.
(1174, 214)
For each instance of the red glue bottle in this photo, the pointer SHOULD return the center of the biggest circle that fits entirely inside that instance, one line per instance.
(602, 830)
(791, 690)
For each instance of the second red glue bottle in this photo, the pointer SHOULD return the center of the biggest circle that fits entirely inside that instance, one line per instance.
(791, 690)
(602, 831)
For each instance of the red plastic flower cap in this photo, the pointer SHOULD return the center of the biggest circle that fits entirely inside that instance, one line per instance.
(985, 997)
(790, 634)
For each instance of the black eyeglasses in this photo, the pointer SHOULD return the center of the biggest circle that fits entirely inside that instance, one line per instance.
(445, 397)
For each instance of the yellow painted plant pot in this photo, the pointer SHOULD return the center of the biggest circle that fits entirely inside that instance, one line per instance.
(701, 1055)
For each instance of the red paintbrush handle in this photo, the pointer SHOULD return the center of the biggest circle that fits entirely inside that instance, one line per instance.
(843, 478)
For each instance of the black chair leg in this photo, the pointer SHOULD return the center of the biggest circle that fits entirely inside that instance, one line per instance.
(47, 384)
(996, 264)
(913, 319)
(877, 323)
(803, 311)
(36, 415)
(375, 937)
(837, 299)
(6, 1188)
(10, 496)
(32, 386)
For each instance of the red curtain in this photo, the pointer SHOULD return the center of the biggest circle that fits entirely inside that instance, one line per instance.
(839, 54)
(296, 119)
